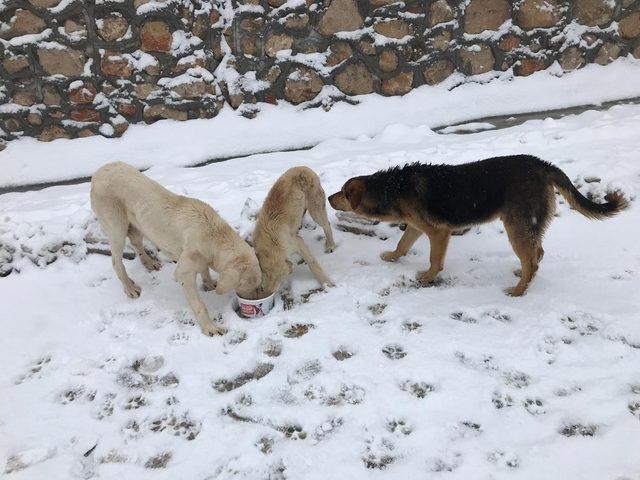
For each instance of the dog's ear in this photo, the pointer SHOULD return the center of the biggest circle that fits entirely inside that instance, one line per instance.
(354, 192)
(228, 280)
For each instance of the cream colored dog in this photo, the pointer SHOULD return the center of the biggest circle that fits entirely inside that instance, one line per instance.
(127, 203)
(276, 238)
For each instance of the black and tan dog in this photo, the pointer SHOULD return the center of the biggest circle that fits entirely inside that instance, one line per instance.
(437, 199)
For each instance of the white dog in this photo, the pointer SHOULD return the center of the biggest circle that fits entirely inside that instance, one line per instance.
(127, 203)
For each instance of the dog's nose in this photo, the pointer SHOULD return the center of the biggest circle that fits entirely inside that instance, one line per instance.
(331, 198)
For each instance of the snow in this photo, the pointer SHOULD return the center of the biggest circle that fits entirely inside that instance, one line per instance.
(453, 381)
(172, 143)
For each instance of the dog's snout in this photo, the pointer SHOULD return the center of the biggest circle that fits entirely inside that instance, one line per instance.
(332, 199)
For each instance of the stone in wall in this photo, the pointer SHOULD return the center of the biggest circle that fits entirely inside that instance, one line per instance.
(509, 43)
(440, 12)
(398, 84)
(571, 59)
(388, 61)
(302, 85)
(629, 26)
(341, 16)
(440, 41)
(481, 15)
(44, 3)
(52, 132)
(24, 97)
(355, 79)
(60, 60)
(608, 53)
(113, 27)
(23, 22)
(394, 28)
(155, 36)
(15, 64)
(477, 59)
(159, 111)
(538, 14)
(594, 13)
(82, 93)
(114, 65)
(527, 66)
(339, 52)
(278, 42)
(437, 72)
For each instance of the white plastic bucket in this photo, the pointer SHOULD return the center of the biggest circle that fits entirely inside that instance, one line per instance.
(255, 308)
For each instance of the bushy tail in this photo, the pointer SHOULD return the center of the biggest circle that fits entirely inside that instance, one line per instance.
(597, 211)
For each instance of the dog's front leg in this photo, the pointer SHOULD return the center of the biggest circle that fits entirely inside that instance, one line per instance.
(409, 237)
(189, 265)
(313, 264)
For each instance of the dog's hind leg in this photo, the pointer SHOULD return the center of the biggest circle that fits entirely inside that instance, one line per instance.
(113, 220)
(314, 266)
(135, 237)
(208, 283)
(318, 211)
(529, 251)
(439, 241)
(409, 237)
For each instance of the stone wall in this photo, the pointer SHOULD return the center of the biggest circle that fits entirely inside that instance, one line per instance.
(73, 68)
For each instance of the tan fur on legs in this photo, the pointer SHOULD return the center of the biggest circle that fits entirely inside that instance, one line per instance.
(439, 241)
(131, 289)
(208, 283)
(112, 217)
(135, 237)
(313, 264)
(409, 237)
(528, 251)
(185, 274)
(318, 210)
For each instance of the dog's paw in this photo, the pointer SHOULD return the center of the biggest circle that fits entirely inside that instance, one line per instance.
(212, 330)
(132, 290)
(426, 277)
(514, 291)
(388, 256)
(151, 264)
(329, 247)
(208, 286)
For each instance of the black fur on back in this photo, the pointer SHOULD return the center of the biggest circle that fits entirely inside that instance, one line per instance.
(464, 194)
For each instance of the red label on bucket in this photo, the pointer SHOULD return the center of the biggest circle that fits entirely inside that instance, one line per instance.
(249, 310)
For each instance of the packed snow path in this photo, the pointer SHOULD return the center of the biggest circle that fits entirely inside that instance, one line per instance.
(375, 378)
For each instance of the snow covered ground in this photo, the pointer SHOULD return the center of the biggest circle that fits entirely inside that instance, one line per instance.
(374, 378)
(458, 99)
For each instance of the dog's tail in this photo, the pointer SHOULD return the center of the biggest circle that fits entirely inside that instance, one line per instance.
(597, 211)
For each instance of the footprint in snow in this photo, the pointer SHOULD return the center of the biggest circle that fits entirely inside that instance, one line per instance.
(447, 463)
(412, 327)
(417, 389)
(394, 351)
(35, 370)
(399, 426)
(579, 429)
(534, 406)
(503, 459)
(342, 353)
(379, 453)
